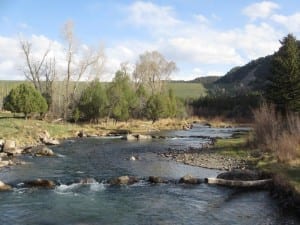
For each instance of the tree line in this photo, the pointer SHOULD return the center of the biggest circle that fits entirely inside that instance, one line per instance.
(60, 93)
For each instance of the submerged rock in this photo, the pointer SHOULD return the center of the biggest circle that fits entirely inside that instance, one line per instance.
(189, 179)
(43, 151)
(40, 183)
(123, 180)
(157, 180)
(87, 180)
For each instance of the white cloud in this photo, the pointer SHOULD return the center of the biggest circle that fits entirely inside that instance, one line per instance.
(201, 19)
(260, 9)
(292, 22)
(147, 14)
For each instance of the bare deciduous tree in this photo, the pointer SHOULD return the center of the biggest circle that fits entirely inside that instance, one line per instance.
(40, 70)
(81, 60)
(152, 70)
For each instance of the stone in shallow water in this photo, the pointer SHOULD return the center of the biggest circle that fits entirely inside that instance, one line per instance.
(5, 187)
(40, 183)
(157, 180)
(189, 179)
(123, 180)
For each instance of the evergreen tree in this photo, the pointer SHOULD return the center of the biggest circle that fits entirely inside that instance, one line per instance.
(122, 99)
(25, 99)
(284, 87)
(93, 102)
(156, 107)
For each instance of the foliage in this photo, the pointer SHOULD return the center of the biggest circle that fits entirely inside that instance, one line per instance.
(284, 88)
(25, 99)
(226, 105)
(93, 102)
(122, 98)
(155, 107)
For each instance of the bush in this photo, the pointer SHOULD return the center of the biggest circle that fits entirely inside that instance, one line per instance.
(92, 103)
(276, 133)
(25, 99)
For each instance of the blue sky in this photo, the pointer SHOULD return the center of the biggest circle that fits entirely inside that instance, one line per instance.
(203, 37)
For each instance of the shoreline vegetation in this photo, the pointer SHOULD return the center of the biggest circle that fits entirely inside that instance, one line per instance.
(236, 152)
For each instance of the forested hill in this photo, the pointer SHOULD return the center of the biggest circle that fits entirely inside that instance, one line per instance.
(253, 75)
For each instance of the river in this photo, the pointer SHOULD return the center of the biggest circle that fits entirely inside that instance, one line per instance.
(141, 203)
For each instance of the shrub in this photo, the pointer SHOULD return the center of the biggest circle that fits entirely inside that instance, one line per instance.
(25, 99)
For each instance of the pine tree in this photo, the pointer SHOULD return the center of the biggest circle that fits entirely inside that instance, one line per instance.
(25, 99)
(284, 87)
(93, 102)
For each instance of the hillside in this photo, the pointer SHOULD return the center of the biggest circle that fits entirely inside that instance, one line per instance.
(251, 76)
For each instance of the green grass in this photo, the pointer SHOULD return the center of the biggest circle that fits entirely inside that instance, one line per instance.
(236, 147)
(187, 90)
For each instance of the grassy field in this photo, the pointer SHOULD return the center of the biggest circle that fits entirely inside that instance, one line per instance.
(187, 90)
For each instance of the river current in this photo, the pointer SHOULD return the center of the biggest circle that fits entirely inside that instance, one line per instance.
(142, 203)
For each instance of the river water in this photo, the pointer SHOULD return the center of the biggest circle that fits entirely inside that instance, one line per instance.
(141, 203)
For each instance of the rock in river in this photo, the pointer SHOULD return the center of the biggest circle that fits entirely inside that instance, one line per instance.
(189, 179)
(157, 180)
(40, 183)
(4, 187)
(123, 180)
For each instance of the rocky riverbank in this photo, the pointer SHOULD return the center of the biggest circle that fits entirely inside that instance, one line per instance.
(207, 158)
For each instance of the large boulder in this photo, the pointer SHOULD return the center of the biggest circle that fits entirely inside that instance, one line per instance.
(123, 180)
(5, 187)
(40, 183)
(189, 179)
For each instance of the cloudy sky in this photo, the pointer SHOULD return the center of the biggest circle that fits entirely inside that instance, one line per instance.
(203, 37)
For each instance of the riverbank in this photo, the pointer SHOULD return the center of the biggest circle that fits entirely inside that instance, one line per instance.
(223, 154)
(238, 153)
